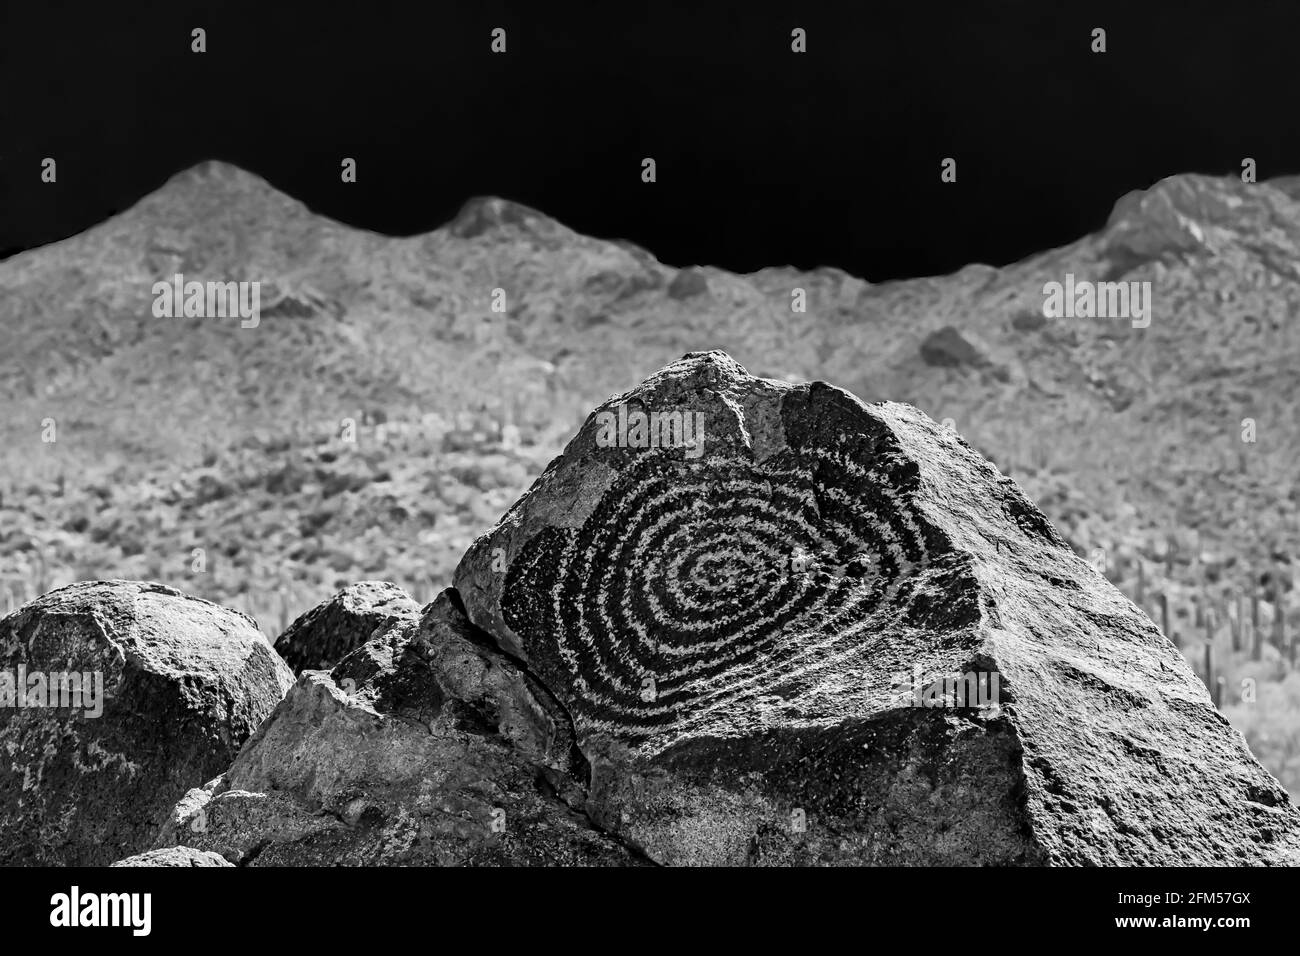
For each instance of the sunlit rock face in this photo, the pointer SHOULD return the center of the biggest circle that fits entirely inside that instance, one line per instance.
(830, 632)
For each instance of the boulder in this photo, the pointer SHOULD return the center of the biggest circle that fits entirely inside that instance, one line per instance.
(328, 632)
(949, 348)
(687, 284)
(837, 634)
(175, 856)
(485, 215)
(426, 747)
(115, 698)
(1030, 320)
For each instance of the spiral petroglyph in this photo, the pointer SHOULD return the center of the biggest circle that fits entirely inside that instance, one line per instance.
(687, 587)
(744, 629)
(676, 586)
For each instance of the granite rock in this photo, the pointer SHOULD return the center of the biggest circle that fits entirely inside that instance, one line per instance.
(328, 632)
(175, 856)
(825, 632)
(169, 689)
(426, 746)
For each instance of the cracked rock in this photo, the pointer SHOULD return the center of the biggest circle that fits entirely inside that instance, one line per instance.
(836, 634)
(160, 690)
(426, 746)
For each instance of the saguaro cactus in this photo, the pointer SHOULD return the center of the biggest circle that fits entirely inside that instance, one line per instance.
(1237, 618)
(1279, 618)
(1257, 635)
(42, 572)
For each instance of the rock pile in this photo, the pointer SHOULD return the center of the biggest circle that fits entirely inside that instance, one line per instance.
(425, 747)
(737, 622)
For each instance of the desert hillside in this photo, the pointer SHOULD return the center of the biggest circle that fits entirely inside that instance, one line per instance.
(223, 460)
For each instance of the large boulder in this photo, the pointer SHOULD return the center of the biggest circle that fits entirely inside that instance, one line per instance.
(425, 747)
(821, 631)
(328, 632)
(116, 697)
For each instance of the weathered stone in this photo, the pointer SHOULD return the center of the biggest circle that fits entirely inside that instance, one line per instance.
(426, 746)
(184, 683)
(752, 644)
(175, 856)
(328, 632)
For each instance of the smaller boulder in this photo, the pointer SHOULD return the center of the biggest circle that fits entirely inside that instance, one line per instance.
(427, 746)
(949, 348)
(175, 856)
(328, 632)
(1029, 320)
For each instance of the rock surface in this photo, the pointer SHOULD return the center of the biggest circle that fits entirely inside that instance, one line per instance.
(175, 856)
(329, 632)
(426, 746)
(748, 641)
(184, 683)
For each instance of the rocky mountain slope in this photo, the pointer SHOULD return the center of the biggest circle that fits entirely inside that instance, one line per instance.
(213, 457)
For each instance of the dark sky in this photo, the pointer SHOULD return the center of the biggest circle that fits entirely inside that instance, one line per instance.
(764, 157)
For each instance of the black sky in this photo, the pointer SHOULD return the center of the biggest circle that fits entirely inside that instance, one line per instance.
(764, 157)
